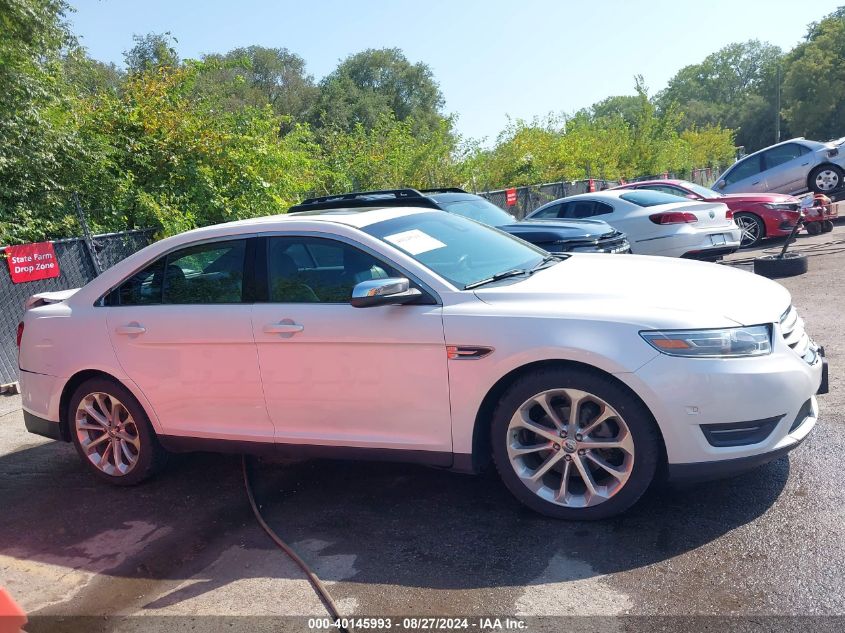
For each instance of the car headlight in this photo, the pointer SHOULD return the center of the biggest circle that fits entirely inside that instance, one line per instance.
(722, 343)
(781, 207)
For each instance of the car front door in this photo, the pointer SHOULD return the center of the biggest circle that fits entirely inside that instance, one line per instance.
(182, 331)
(335, 375)
(786, 168)
(744, 177)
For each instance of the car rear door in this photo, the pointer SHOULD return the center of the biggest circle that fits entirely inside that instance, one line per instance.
(787, 167)
(335, 375)
(182, 331)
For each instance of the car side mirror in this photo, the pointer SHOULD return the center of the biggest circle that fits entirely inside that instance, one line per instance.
(383, 292)
(721, 184)
(692, 196)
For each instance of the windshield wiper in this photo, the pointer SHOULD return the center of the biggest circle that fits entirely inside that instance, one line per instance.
(514, 272)
(548, 259)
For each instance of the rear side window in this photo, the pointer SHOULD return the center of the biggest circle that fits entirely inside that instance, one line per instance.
(783, 154)
(646, 198)
(207, 273)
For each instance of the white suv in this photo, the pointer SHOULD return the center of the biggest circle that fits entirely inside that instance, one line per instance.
(421, 336)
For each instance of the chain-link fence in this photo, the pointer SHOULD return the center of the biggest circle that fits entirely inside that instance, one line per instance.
(77, 266)
(532, 197)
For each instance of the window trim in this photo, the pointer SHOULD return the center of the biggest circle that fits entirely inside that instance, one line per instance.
(262, 269)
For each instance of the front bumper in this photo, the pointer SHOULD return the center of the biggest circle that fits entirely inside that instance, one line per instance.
(700, 406)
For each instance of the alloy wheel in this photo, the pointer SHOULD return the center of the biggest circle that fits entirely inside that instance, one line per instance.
(107, 433)
(827, 180)
(570, 448)
(750, 230)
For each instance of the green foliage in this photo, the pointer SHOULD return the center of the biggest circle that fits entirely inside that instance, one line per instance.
(814, 84)
(175, 144)
(375, 82)
(734, 87)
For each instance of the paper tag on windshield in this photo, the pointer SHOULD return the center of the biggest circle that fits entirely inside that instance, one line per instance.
(414, 241)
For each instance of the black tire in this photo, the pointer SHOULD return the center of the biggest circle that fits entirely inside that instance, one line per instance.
(641, 424)
(772, 266)
(813, 228)
(827, 226)
(756, 228)
(151, 457)
(837, 174)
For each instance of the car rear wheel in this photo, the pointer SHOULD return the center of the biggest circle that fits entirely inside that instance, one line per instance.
(825, 178)
(113, 434)
(752, 227)
(574, 445)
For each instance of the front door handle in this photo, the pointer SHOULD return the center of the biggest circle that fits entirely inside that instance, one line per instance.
(283, 328)
(132, 328)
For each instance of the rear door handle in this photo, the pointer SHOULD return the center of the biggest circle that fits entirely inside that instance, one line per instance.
(283, 328)
(132, 328)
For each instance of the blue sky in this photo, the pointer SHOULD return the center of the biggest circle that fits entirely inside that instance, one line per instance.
(492, 58)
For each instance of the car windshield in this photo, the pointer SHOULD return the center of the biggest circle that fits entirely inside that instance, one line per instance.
(704, 192)
(645, 198)
(462, 251)
(478, 209)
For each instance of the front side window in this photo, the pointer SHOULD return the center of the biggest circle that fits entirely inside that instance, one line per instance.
(457, 249)
(206, 273)
(580, 209)
(551, 211)
(317, 270)
(746, 169)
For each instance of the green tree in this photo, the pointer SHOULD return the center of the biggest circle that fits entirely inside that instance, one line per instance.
(814, 82)
(153, 50)
(36, 136)
(375, 82)
(257, 76)
(735, 87)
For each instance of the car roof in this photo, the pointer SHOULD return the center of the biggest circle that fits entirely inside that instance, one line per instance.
(358, 217)
(797, 139)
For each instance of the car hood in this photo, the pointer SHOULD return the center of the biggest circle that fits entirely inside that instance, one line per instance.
(729, 198)
(569, 229)
(646, 291)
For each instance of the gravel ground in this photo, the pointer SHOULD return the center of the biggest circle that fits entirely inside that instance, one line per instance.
(184, 552)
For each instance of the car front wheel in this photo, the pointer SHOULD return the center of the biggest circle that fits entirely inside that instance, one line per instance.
(752, 228)
(574, 444)
(112, 433)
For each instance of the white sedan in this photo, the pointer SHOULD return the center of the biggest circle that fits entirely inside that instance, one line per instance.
(656, 223)
(421, 336)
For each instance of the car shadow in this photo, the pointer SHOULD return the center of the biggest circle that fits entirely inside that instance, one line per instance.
(403, 524)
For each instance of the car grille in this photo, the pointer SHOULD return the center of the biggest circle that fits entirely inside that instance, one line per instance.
(615, 242)
(792, 330)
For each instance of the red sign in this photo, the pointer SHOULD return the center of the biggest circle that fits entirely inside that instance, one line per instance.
(510, 196)
(31, 262)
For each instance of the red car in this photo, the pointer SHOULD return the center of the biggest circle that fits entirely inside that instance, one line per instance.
(759, 215)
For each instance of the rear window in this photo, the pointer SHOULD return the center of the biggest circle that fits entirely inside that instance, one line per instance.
(644, 198)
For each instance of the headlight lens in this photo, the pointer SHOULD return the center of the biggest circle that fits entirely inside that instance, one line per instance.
(722, 343)
(781, 207)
